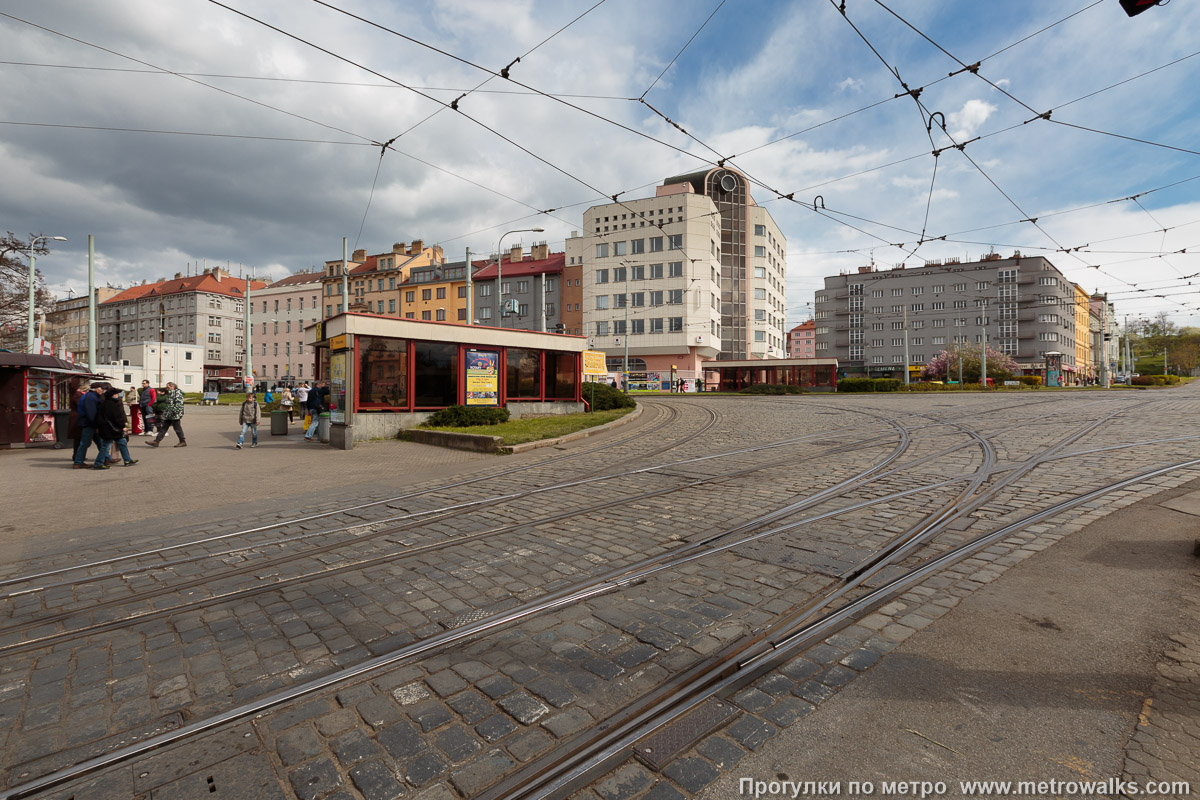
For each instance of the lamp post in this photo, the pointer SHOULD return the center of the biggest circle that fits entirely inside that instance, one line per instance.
(32, 269)
(499, 259)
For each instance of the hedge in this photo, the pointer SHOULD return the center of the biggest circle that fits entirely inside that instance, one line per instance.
(869, 385)
(1156, 380)
(603, 397)
(1030, 380)
(466, 417)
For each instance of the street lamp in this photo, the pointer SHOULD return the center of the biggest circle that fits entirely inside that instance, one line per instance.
(33, 261)
(500, 258)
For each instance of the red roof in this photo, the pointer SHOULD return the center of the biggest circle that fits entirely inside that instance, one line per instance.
(230, 287)
(526, 266)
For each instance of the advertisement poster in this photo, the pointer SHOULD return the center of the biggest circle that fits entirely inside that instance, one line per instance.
(39, 428)
(483, 378)
(37, 394)
(337, 388)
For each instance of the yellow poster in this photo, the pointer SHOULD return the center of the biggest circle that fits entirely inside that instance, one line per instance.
(594, 362)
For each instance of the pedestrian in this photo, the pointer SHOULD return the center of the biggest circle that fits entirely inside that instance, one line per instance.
(74, 427)
(302, 401)
(171, 417)
(614, 383)
(87, 411)
(147, 397)
(249, 417)
(286, 401)
(113, 426)
(316, 399)
(132, 398)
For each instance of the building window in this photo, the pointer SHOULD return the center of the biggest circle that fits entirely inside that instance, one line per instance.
(601, 276)
(441, 293)
(426, 294)
(675, 297)
(618, 248)
(675, 324)
(675, 241)
(637, 246)
(441, 315)
(485, 290)
(675, 269)
(602, 250)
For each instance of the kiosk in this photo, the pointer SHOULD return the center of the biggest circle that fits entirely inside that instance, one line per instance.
(386, 374)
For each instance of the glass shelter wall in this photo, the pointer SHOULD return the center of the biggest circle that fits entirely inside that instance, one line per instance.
(435, 374)
(382, 372)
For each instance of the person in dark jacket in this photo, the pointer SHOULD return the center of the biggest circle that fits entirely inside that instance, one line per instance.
(318, 401)
(147, 397)
(86, 410)
(112, 425)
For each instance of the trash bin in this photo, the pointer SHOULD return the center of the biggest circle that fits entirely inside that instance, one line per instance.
(61, 424)
(279, 423)
(323, 426)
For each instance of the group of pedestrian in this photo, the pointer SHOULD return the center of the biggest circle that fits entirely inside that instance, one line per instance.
(100, 419)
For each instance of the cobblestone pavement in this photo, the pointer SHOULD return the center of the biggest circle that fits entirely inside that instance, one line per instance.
(118, 639)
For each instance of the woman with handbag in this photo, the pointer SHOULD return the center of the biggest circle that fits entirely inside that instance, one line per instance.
(286, 402)
(112, 424)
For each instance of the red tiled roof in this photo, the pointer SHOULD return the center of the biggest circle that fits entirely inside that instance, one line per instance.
(527, 266)
(230, 287)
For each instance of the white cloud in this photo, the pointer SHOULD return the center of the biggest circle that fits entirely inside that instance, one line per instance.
(852, 85)
(964, 123)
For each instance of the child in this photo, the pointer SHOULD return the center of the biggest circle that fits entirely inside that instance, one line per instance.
(249, 418)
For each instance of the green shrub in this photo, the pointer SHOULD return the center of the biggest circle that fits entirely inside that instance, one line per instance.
(467, 417)
(1030, 380)
(888, 384)
(606, 397)
(856, 385)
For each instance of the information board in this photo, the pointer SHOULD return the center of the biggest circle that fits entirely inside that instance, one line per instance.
(337, 387)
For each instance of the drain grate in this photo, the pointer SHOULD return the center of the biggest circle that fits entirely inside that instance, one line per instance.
(475, 615)
(660, 748)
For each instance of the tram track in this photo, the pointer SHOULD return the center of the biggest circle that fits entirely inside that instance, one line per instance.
(557, 600)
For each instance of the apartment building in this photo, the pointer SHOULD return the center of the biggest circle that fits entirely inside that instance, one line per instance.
(1106, 341)
(531, 296)
(1023, 305)
(695, 273)
(802, 340)
(67, 322)
(207, 309)
(376, 281)
(278, 316)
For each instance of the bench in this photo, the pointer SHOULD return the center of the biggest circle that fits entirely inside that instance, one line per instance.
(210, 398)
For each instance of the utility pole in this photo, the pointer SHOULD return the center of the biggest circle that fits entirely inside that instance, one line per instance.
(958, 352)
(906, 345)
(91, 302)
(1164, 361)
(627, 329)
(1104, 376)
(345, 281)
(1128, 354)
(247, 372)
(470, 291)
(983, 358)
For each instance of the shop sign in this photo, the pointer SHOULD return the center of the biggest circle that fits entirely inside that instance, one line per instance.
(483, 378)
(338, 342)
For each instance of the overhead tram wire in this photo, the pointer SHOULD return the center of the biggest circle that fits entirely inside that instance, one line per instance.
(384, 148)
(961, 147)
(186, 78)
(185, 133)
(356, 84)
(924, 85)
(685, 47)
(481, 124)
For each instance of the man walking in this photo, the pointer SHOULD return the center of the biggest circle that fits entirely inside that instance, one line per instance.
(249, 417)
(171, 417)
(146, 399)
(316, 397)
(87, 411)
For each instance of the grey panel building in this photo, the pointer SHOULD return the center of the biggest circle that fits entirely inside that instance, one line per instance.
(1023, 305)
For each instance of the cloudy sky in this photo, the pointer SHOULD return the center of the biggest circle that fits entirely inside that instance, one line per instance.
(248, 131)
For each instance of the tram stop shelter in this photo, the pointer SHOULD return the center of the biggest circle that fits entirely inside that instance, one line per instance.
(814, 374)
(387, 374)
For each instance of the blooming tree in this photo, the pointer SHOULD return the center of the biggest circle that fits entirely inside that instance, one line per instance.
(944, 365)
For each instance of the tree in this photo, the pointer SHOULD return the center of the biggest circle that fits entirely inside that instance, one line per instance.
(944, 365)
(14, 290)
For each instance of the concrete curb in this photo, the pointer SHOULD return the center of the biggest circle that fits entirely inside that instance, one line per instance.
(479, 443)
(570, 437)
